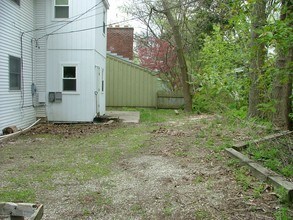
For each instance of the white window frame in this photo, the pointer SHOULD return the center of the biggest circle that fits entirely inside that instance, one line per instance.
(18, 88)
(54, 11)
(76, 91)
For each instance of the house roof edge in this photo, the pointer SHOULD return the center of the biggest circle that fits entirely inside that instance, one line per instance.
(125, 60)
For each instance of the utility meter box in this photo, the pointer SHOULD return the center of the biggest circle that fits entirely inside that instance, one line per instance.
(58, 96)
(55, 97)
(51, 96)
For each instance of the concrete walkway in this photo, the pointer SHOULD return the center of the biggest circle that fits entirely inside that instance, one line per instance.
(125, 116)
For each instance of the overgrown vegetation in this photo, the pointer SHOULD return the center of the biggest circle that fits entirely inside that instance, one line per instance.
(237, 54)
(276, 154)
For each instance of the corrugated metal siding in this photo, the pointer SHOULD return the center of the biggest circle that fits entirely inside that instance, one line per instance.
(129, 85)
(16, 108)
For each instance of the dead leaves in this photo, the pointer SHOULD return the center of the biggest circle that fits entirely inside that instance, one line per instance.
(168, 132)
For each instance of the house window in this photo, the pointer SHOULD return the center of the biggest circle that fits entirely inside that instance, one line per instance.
(16, 2)
(14, 73)
(69, 78)
(61, 8)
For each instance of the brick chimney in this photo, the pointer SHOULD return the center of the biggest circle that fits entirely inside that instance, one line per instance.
(120, 41)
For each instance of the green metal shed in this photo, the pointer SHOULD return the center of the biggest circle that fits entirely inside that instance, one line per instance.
(129, 85)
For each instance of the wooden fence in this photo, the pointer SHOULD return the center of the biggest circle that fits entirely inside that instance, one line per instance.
(169, 100)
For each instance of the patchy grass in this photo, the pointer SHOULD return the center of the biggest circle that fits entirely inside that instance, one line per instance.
(202, 214)
(17, 195)
(151, 115)
(122, 171)
(44, 161)
(159, 115)
(243, 177)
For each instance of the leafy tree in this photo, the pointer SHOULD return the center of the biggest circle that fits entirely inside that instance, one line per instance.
(160, 56)
(175, 27)
(281, 35)
(257, 56)
(184, 25)
(223, 74)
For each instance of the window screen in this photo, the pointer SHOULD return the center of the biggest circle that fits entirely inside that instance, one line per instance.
(14, 73)
(61, 9)
(69, 78)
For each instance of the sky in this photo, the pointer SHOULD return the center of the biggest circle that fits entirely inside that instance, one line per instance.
(113, 12)
(115, 15)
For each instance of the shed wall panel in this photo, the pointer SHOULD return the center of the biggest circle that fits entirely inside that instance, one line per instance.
(129, 85)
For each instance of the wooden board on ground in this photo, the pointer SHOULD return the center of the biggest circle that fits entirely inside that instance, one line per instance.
(20, 211)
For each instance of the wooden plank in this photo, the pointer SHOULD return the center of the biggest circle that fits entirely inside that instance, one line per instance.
(242, 145)
(21, 210)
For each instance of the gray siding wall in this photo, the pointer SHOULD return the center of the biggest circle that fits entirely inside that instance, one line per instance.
(16, 107)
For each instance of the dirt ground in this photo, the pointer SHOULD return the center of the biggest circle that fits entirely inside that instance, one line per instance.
(174, 174)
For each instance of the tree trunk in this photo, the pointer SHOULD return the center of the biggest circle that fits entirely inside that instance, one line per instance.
(282, 84)
(257, 58)
(181, 57)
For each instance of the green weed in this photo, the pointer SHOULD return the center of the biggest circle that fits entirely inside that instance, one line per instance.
(257, 191)
(168, 210)
(158, 115)
(283, 195)
(138, 209)
(95, 198)
(198, 179)
(243, 177)
(202, 214)
(282, 214)
(274, 154)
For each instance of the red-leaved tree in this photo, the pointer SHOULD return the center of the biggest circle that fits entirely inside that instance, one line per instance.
(160, 56)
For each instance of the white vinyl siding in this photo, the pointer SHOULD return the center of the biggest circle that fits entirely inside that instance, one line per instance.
(40, 55)
(16, 106)
(16, 1)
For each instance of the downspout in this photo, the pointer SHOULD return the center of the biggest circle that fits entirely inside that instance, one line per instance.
(3, 137)
(33, 86)
(21, 69)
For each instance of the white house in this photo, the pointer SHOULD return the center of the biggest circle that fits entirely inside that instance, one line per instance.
(52, 60)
